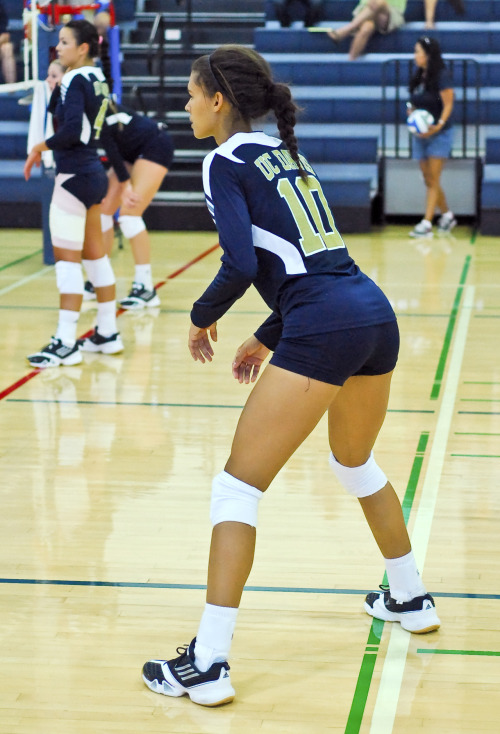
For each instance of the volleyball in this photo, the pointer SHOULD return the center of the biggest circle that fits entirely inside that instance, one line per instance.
(419, 121)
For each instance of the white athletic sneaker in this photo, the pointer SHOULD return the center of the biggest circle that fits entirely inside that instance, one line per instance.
(422, 229)
(418, 615)
(54, 354)
(180, 677)
(446, 222)
(104, 344)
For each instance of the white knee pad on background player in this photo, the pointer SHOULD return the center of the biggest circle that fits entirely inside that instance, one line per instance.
(360, 481)
(99, 272)
(233, 501)
(69, 277)
(131, 226)
(106, 222)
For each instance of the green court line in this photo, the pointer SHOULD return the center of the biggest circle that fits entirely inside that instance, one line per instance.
(473, 236)
(470, 433)
(460, 652)
(478, 412)
(20, 260)
(481, 382)
(438, 377)
(375, 635)
(478, 456)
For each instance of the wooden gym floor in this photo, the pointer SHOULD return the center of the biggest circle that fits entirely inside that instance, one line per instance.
(106, 472)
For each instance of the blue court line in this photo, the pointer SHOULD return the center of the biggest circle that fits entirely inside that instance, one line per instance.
(197, 587)
(163, 405)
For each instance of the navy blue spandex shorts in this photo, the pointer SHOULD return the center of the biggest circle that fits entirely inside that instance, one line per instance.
(158, 149)
(89, 188)
(335, 356)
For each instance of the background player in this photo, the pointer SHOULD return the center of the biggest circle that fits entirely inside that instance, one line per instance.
(147, 150)
(335, 341)
(81, 183)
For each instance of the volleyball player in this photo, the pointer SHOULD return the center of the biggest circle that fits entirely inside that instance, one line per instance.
(143, 155)
(79, 107)
(334, 339)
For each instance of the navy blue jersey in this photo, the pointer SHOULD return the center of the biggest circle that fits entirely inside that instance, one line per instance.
(428, 98)
(277, 232)
(128, 136)
(79, 109)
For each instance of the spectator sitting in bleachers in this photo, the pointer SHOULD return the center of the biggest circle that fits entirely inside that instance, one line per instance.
(6, 49)
(285, 15)
(383, 16)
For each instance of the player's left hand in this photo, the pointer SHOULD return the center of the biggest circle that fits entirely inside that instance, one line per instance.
(248, 360)
(433, 129)
(199, 342)
(34, 159)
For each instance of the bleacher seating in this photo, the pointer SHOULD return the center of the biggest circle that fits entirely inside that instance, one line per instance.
(340, 125)
(332, 88)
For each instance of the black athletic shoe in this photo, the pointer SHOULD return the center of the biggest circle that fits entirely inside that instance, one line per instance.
(89, 292)
(54, 354)
(418, 615)
(140, 297)
(180, 676)
(104, 344)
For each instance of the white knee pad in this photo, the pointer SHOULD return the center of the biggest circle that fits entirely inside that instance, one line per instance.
(131, 226)
(233, 501)
(100, 272)
(106, 222)
(69, 277)
(360, 481)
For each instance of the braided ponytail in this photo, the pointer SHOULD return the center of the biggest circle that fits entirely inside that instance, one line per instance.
(106, 61)
(283, 106)
(244, 77)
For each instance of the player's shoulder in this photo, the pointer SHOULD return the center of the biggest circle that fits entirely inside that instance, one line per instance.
(83, 75)
(238, 150)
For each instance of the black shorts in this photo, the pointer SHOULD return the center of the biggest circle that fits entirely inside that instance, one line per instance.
(338, 355)
(89, 188)
(159, 149)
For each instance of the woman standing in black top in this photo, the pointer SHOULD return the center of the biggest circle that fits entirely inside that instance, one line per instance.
(431, 90)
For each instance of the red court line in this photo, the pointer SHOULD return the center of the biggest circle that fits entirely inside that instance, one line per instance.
(30, 375)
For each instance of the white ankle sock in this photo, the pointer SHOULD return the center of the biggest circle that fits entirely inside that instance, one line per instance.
(404, 579)
(143, 275)
(66, 327)
(213, 641)
(106, 318)
(426, 221)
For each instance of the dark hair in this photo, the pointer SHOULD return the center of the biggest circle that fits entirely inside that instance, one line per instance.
(245, 79)
(429, 75)
(106, 61)
(85, 32)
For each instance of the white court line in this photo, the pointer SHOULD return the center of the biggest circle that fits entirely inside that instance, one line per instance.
(23, 281)
(384, 712)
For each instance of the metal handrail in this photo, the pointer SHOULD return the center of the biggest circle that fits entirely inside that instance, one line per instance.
(469, 81)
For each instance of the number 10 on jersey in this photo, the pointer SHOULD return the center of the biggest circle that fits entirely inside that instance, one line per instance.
(304, 200)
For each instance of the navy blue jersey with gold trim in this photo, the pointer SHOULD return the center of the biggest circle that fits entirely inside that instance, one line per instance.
(79, 108)
(277, 232)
